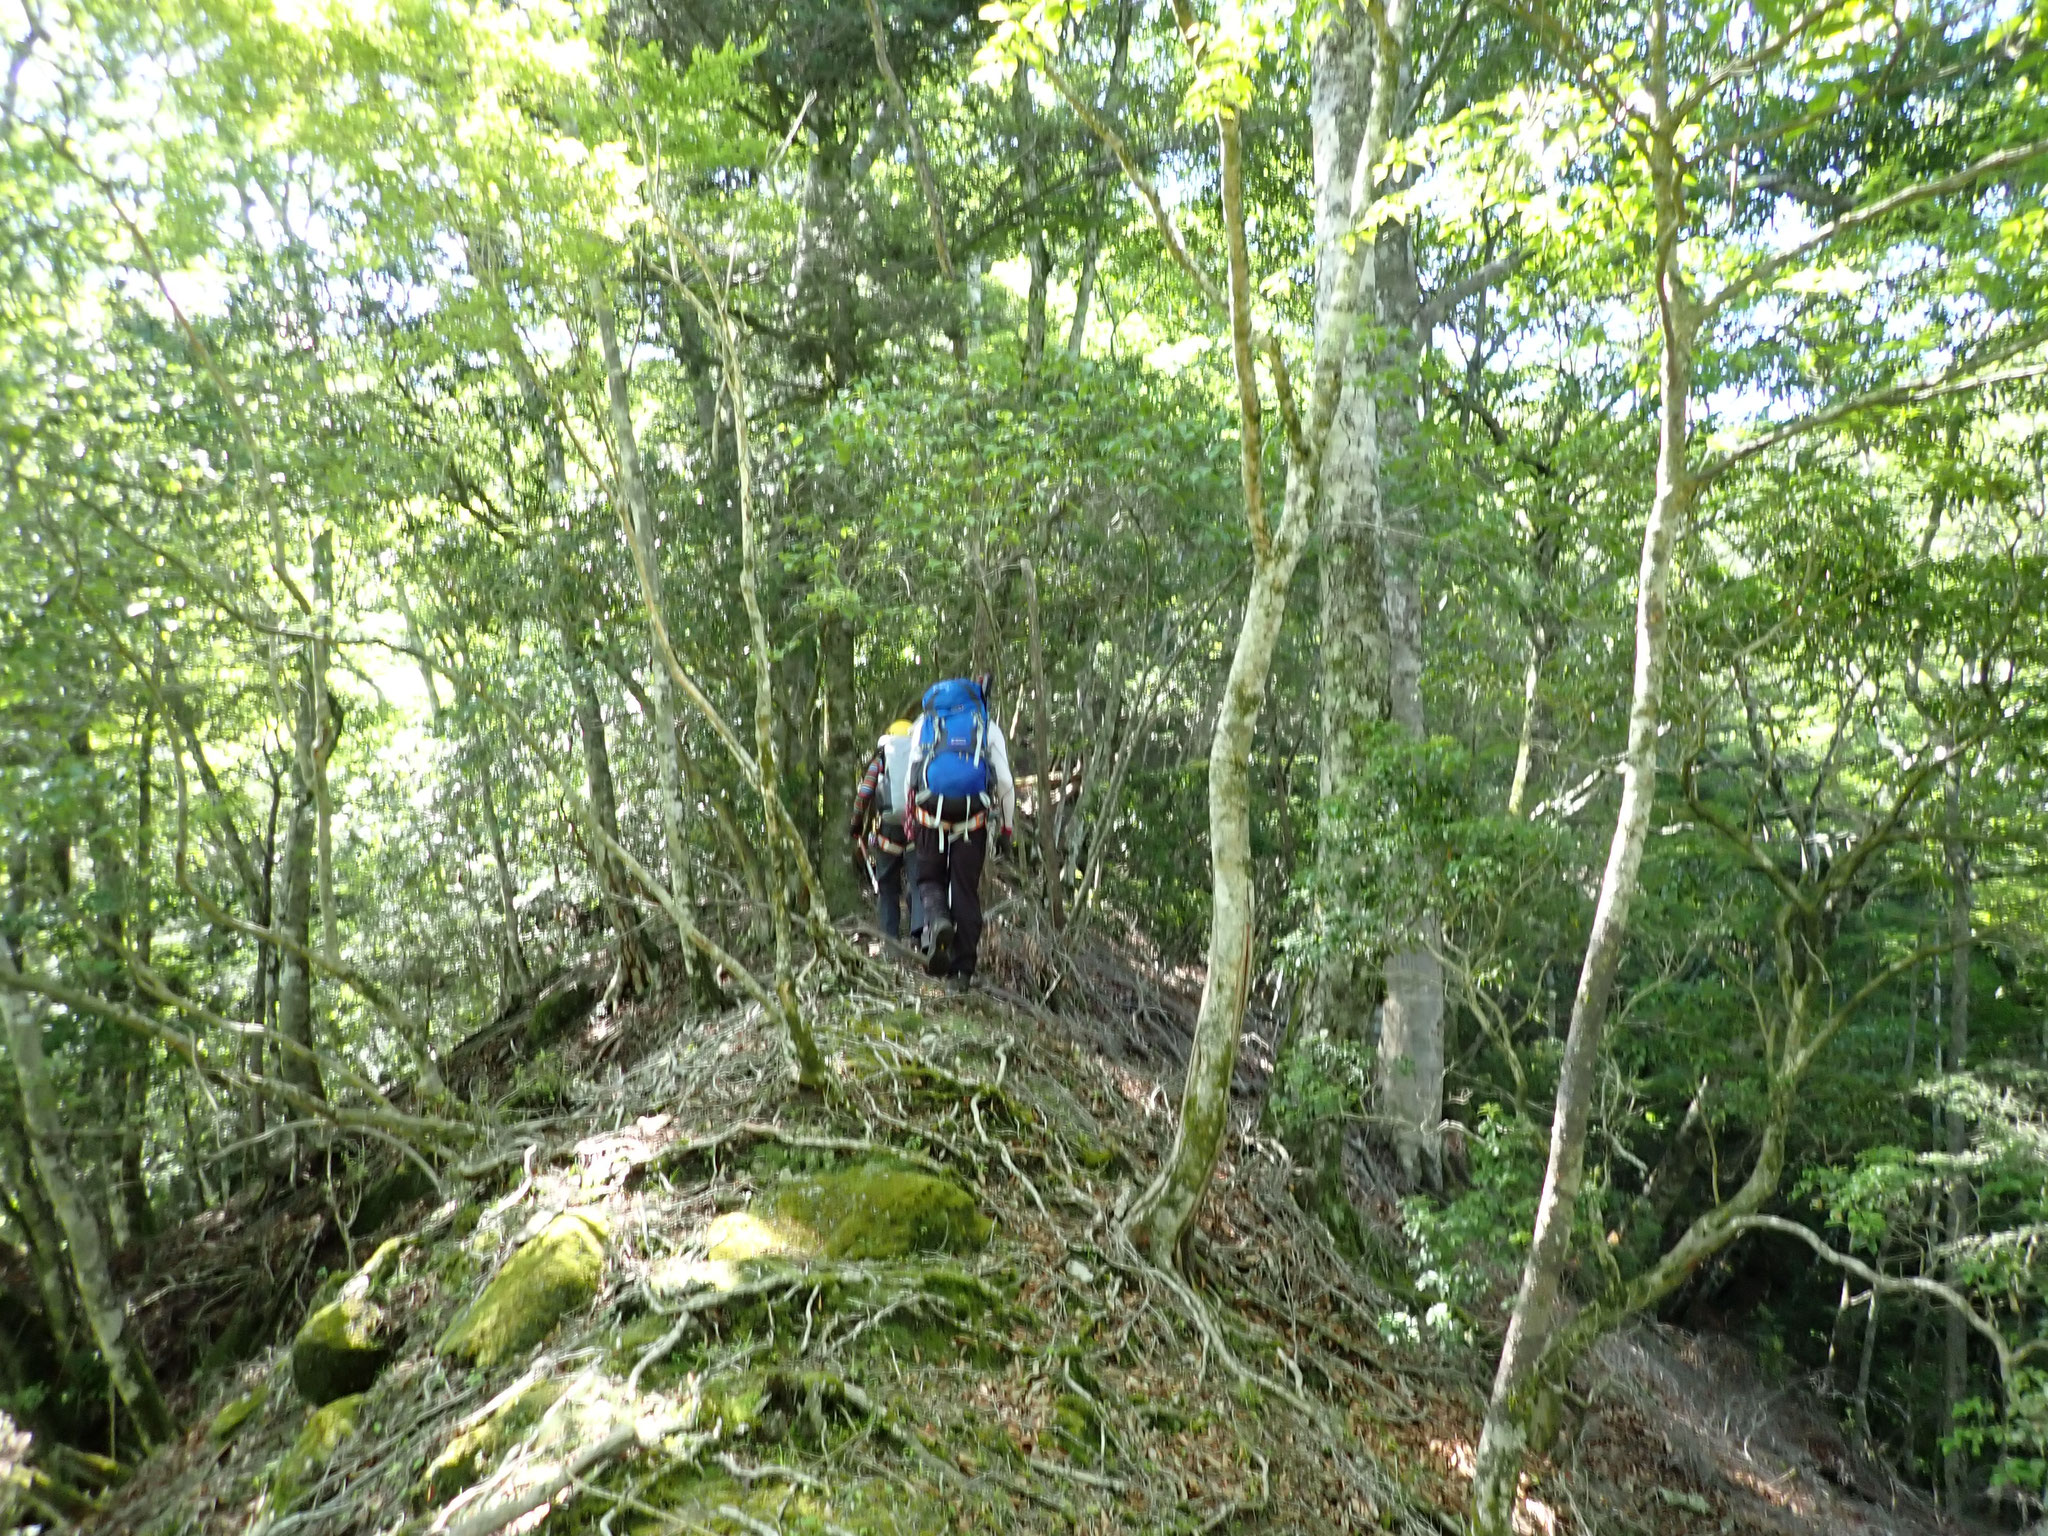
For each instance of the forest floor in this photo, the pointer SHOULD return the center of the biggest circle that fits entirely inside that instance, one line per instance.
(903, 1308)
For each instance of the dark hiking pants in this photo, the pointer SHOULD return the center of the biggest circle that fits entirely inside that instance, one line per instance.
(949, 880)
(896, 883)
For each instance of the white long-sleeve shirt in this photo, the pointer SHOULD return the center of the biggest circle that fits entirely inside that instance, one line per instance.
(994, 751)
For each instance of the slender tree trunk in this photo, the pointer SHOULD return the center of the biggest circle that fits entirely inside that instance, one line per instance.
(508, 888)
(263, 987)
(1041, 730)
(1160, 1219)
(323, 722)
(1167, 1209)
(135, 1220)
(1024, 123)
(635, 973)
(298, 1066)
(838, 749)
(38, 1218)
(667, 744)
(1525, 743)
(1955, 1359)
(1520, 1395)
(1859, 1403)
(810, 1061)
(1091, 248)
(106, 1310)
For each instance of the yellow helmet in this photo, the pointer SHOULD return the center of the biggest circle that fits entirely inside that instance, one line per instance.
(898, 728)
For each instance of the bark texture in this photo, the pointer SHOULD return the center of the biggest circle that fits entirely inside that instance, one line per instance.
(1354, 663)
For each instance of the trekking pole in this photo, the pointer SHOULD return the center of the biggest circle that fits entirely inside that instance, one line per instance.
(868, 864)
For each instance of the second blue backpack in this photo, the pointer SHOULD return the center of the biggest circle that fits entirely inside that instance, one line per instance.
(955, 733)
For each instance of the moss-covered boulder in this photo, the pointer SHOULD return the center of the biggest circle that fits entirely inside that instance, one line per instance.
(341, 1348)
(559, 1009)
(239, 1411)
(299, 1469)
(874, 1211)
(555, 1273)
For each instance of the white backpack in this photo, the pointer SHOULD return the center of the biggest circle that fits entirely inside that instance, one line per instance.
(895, 774)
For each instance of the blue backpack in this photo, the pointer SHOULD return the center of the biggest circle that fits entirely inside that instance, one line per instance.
(952, 736)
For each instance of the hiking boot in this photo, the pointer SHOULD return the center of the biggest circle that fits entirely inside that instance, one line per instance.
(938, 959)
(961, 983)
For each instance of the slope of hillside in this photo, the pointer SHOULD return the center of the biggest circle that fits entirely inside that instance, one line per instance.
(686, 1298)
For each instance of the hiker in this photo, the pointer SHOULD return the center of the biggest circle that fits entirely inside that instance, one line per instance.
(959, 776)
(879, 842)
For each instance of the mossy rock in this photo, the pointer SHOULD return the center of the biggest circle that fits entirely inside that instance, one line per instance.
(553, 1275)
(466, 1457)
(560, 1010)
(873, 1211)
(341, 1348)
(239, 1411)
(406, 1185)
(301, 1466)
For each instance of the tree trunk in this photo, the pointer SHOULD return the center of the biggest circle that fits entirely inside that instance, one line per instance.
(1519, 1395)
(1859, 1404)
(516, 968)
(1525, 744)
(324, 723)
(1955, 1358)
(133, 1220)
(1091, 249)
(38, 1219)
(1410, 1075)
(1354, 657)
(1024, 122)
(635, 974)
(298, 1065)
(1041, 752)
(839, 750)
(1167, 1210)
(106, 1310)
(667, 744)
(810, 1061)
(1162, 1216)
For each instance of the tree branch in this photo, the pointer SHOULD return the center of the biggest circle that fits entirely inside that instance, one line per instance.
(1856, 218)
(1438, 307)
(1954, 381)
(1908, 1284)
(926, 182)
